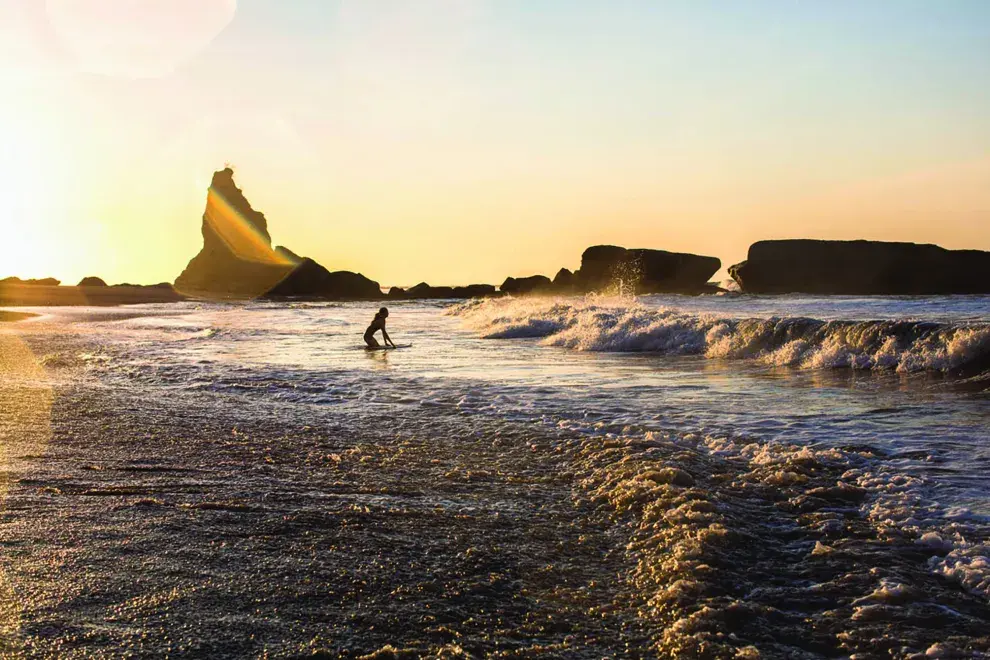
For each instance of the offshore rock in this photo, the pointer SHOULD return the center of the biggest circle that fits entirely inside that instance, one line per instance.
(563, 281)
(517, 286)
(16, 281)
(91, 281)
(425, 291)
(861, 268)
(311, 280)
(613, 268)
(237, 259)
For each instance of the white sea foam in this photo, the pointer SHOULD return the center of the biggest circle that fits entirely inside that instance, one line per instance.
(625, 325)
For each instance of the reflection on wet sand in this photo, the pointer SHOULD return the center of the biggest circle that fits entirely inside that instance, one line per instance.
(25, 431)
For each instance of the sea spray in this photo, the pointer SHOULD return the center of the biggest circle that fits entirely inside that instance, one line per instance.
(626, 325)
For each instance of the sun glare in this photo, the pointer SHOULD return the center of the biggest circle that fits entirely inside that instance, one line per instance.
(27, 218)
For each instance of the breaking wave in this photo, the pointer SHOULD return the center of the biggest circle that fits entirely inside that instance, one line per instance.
(622, 325)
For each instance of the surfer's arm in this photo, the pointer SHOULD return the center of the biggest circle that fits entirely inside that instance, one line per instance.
(388, 340)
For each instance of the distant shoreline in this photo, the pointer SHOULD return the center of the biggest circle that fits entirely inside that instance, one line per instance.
(34, 295)
(14, 317)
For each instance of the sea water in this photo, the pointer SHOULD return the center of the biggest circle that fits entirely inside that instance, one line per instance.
(778, 475)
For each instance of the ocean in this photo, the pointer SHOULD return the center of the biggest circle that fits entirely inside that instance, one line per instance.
(664, 476)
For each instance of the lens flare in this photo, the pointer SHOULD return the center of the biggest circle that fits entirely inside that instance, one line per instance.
(241, 236)
(147, 39)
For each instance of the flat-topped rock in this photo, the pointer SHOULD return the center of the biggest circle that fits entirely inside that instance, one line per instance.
(613, 268)
(861, 268)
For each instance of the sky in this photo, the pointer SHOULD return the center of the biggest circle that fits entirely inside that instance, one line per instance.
(463, 141)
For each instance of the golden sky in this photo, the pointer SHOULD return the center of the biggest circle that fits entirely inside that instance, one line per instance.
(459, 141)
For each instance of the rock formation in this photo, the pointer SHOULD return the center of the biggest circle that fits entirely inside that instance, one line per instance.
(238, 260)
(563, 281)
(517, 286)
(311, 280)
(16, 281)
(425, 291)
(91, 281)
(612, 268)
(861, 268)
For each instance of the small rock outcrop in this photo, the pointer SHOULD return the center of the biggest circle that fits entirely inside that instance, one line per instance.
(563, 281)
(311, 280)
(16, 281)
(425, 291)
(613, 268)
(518, 286)
(91, 281)
(861, 268)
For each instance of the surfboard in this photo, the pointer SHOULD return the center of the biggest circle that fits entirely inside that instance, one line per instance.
(386, 348)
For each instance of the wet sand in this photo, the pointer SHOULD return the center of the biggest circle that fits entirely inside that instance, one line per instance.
(194, 524)
(149, 519)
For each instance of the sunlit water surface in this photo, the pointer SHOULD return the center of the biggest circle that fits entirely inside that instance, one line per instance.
(691, 428)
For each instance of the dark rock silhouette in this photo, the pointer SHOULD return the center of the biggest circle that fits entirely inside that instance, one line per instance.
(16, 281)
(91, 281)
(608, 267)
(564, 280)
(425, 291)
(861, 268)
(475, 291)
(517, 286)
(164, 286)
(288, 255)
(310, 279)
(238, 260)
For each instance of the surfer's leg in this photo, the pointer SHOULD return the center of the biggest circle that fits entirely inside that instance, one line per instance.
(371, 341)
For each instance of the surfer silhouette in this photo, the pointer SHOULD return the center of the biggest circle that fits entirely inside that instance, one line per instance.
(378, 324)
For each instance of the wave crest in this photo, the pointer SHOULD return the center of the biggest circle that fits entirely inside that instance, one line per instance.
(622, 325)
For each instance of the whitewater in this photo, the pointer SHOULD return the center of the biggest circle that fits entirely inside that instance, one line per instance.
(720, 476)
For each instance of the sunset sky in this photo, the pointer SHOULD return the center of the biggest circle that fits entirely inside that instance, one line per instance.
(459, 141)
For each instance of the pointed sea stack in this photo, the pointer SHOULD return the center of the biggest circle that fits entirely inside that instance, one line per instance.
(238, 260)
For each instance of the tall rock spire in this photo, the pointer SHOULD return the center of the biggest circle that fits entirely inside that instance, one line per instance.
(237, 259)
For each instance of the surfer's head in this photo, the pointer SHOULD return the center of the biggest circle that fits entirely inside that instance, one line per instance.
(383, 312)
